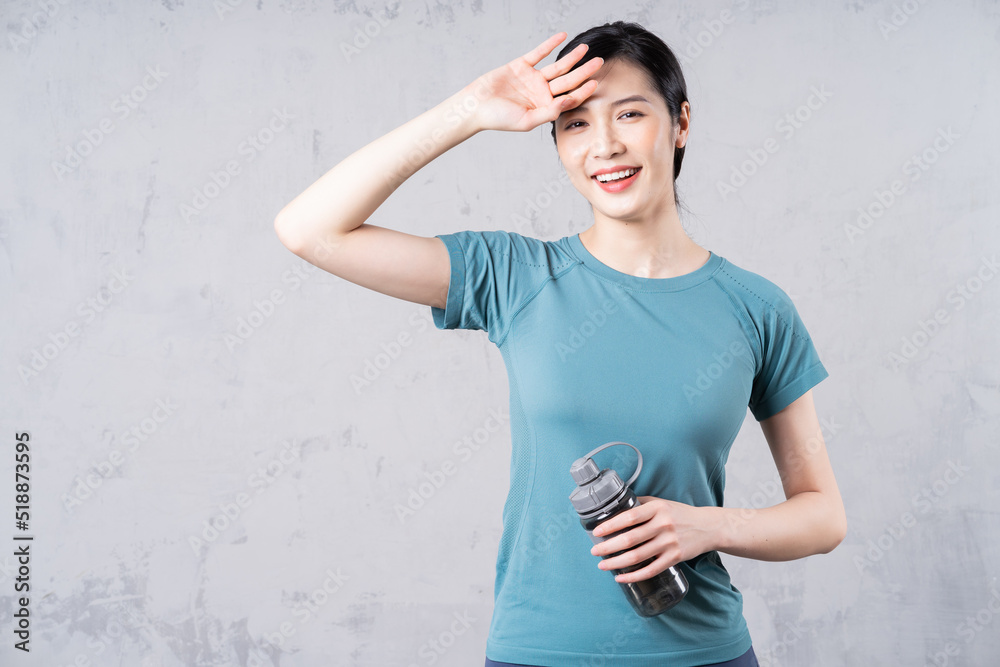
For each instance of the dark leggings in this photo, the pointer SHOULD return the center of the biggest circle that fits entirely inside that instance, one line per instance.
(748, 659)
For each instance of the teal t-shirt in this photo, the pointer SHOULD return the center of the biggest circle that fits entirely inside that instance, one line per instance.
(593, 355)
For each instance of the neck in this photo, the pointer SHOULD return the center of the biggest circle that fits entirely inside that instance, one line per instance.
(644, 249)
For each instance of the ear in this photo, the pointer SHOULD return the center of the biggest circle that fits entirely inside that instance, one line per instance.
(683, 126)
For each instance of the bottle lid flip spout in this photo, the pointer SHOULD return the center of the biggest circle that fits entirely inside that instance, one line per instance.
(596, 487)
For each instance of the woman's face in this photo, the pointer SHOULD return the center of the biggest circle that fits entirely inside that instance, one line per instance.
(599, 135)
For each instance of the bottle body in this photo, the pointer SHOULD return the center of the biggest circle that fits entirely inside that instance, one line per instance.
(648, 597)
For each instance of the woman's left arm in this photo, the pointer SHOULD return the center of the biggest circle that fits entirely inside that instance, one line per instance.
(811, 521)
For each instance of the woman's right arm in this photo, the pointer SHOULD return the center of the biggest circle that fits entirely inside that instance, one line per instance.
(325, 225)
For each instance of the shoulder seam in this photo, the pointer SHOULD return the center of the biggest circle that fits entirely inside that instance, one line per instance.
(766, 303)
(510, 255)
(561, 267)
(749, 328)
(535, 292)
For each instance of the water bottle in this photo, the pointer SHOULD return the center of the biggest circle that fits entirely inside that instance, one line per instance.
(600, 495)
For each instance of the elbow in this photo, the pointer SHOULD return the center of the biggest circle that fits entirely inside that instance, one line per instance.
(281, 229)
(835, 541)
(837, 530)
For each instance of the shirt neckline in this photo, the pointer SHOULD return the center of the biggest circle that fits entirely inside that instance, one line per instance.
(699, 275)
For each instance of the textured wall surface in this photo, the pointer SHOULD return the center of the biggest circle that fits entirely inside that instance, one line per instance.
(222, 436)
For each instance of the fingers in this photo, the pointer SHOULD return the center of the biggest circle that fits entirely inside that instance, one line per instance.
(559, 81)
(570, 81)
(623, 520)
(642, 574)
(565, 63)
(634, 556)
(568, 101)
(551, 111)
(535, 56)
(559, 84)
(554, 71)
(640, 535)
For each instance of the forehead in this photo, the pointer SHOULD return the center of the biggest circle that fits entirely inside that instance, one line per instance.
(616, 80)
(620, 71)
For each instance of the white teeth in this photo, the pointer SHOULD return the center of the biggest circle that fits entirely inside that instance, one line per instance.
(614, 176)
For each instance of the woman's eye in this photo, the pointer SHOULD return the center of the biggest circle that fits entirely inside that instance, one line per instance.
(577, 122)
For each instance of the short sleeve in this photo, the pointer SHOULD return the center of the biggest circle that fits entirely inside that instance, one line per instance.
(790, 365)
(492, 274)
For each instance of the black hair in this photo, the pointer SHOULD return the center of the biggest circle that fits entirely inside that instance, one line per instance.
(632, 43)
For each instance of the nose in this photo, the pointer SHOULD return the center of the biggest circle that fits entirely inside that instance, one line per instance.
(605, 142)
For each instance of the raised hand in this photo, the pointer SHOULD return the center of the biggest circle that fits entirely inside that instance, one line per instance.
(517, 97)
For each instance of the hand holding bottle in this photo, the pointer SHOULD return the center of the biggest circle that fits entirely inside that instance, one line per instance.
(600, 498)
(666, 531)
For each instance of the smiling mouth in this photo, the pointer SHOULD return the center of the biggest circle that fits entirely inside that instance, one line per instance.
(619, 184)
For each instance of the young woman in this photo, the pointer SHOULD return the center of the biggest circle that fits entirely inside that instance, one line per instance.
(628, 331)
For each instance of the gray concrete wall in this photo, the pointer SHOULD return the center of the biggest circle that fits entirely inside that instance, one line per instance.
(210, 482)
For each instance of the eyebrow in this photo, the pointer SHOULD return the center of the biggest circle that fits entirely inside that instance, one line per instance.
(616, 103)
